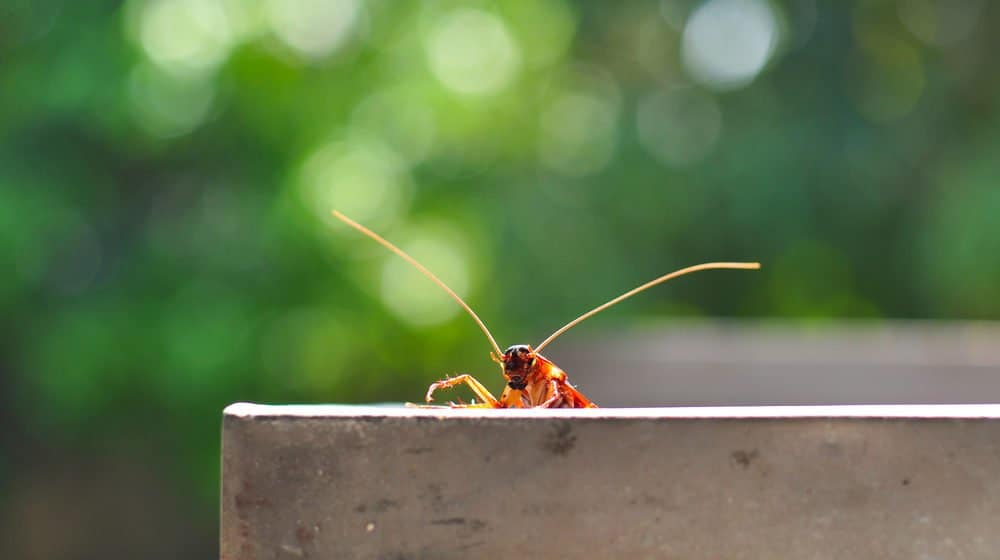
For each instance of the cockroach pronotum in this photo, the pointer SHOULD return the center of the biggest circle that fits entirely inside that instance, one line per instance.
(532, 380)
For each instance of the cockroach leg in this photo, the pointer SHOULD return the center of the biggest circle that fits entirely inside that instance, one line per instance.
(489, 401)
(556, 394)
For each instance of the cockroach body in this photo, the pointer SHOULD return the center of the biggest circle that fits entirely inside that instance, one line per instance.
(532, 380)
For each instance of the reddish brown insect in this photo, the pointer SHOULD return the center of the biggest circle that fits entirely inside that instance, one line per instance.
(532, 380)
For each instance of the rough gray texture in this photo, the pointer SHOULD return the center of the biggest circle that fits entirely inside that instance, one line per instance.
(732, 483)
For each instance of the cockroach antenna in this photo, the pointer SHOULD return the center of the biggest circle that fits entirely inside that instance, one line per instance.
(646, 286)
(426, 273)
(532, 380)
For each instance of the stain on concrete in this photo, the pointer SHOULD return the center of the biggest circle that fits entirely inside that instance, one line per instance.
(434, 497)
(744, 458)
(384, 505)
(474, 524)
(381, 506)
(417, 450)
(305, 535)
(560, 440)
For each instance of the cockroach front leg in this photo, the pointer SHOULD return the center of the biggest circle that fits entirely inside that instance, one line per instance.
(487, 398)
(556, 395)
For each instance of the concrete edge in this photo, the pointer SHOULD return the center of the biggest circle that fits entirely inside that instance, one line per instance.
(940, 411)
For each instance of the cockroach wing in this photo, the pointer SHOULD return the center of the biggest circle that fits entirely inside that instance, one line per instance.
(579, 401)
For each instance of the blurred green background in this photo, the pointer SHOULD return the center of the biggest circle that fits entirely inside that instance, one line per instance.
(167, 168)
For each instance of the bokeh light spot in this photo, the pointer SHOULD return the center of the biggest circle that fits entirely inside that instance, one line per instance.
(578, 133)
(314, 28)
(185, 36)
(680, 127)
(409, 294)
(362, 178)
(543, 28)
(940, 22)
(472, 52)
(887, 79)
(402, 121)
(727, 43)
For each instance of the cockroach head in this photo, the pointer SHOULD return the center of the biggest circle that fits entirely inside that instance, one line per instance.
(517, 362)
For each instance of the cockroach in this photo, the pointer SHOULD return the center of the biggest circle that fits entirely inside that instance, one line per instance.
(532, 380)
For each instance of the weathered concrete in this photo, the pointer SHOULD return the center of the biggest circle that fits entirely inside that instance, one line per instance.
(768, 482)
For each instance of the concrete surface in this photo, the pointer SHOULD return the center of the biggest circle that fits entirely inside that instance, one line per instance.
(886, 482)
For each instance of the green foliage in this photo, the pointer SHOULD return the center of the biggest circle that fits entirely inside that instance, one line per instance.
(167, 168)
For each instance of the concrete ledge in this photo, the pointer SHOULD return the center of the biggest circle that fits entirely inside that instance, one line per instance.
(732, 482)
